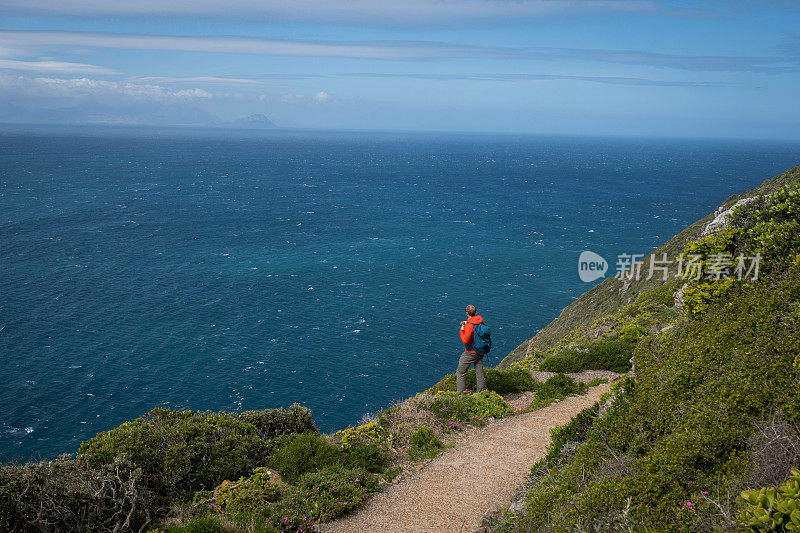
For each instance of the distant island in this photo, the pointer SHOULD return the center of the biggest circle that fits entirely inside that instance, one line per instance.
(257, 121)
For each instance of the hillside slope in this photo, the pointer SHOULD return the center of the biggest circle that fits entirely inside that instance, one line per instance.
(708, 426)
(610, 296)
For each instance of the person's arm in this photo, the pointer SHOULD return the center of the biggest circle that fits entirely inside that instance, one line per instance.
(466, 333)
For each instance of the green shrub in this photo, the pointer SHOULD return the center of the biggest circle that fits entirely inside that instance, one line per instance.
(717, 243)
(470, 408)
(371, 457)
(566, 360)
(557, 387)
(179, 451)
(661, 295)
(304, 453)
(271, 423)
(247, 494)
(771, 509)
(606, 353)
(424, 444)
(609, 354)
(499, 380)
(327, 494)
(577, 431)
(371, 433)
(683, 426)
(631, 333)
(697, 299)
(771, 228)
(300, 454)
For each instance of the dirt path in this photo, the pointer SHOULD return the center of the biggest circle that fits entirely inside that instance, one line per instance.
(452, 492)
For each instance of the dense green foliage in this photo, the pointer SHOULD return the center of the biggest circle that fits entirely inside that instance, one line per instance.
(370, 433)
(499, 380)
(246, 494)
(424, 444)
(327, 493)
(300, 454)
(771, 228)
(607, 353)
(304, 453)
(179, 451)
(555, 388)
(469, 408)
(683, 426)
(132, 475)
(771, 509)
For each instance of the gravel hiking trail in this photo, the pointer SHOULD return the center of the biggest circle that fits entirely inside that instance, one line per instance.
(455, 490)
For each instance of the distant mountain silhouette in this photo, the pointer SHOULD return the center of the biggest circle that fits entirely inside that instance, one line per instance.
(256, 121)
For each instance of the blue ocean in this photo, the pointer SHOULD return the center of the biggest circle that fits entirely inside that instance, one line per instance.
(232, 270)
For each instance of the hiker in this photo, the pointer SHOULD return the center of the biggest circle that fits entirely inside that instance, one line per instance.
(477, 343)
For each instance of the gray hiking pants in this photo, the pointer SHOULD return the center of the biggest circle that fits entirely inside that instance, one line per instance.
(463, 365)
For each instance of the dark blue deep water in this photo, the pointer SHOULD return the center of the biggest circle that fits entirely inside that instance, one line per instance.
(244, 271)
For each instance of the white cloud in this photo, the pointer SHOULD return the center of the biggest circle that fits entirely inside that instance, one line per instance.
(423, 12)
(208, 80)
(83, 87)
(321, 96)
(391, 50)
(236, 45)
(289, 98)
(53, 66)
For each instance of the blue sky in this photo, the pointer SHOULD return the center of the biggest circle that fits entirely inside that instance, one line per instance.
(642, 67)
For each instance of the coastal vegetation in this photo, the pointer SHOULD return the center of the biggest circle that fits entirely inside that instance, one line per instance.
(255, 471)
(705, 433)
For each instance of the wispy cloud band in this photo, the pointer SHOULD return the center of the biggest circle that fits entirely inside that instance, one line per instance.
(89, 87)
(54, 66)
(514, 77)
(391, 50)
(422, 12)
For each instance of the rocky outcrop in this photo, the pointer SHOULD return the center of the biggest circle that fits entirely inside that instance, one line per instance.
(722, 217)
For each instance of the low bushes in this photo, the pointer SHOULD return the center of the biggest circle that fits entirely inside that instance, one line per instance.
(674, 448)
(260, 505)
(304, 453)
(566, 360)
(369, 433)
(332, 492)
(179, 451)
(301, 454)
(424, 444)
(557, 387)
(469, 408)
(131, 476)
(271, 423)
(607, 353)
(499, 380)
(247, 494)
